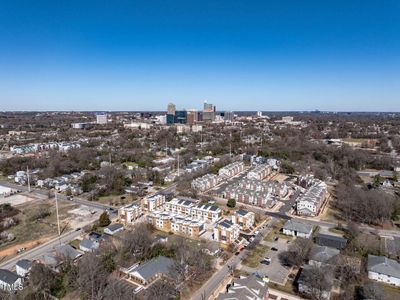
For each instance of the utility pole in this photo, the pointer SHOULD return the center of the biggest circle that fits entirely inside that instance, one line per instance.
(58, 219)
(178, 165)
(230, 145)
(29, 181)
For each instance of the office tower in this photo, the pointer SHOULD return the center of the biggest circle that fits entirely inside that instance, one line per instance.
(171, 109)
(208, 112)
(192, 116)
(101, 118)
(180, 117)
(170, 119)
(228, 116)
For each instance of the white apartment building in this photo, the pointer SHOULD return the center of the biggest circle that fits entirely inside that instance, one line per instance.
(152, 203)
(129, 214)
(203, 212)
(310, 203)
(259, 172)
(245, 219)
(226, 232)
(231, 169)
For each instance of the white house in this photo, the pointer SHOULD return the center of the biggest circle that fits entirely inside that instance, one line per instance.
(383, 269)
(113, 229)
(296, 228)
(23, 267)
(10, 281)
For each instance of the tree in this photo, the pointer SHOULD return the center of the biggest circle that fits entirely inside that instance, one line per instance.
(104, 219)
(318, 281)
(231, 203)
(297, 252)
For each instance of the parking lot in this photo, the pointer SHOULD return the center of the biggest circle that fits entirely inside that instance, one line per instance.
(274, 271)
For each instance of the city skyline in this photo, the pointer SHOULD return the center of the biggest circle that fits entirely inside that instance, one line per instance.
(287, 56)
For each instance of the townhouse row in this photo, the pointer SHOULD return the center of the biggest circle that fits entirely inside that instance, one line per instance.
(310, 203)
(206, 182)
(231, 169)
(259, 172)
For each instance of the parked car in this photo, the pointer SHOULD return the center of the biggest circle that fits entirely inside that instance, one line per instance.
(276, 238)
(274, 249)
(264, 262)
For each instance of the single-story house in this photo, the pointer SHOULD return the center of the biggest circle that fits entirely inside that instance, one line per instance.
(149, 271)
(9, 281)
(332, 241)
(50, 260)
(87, 245)
(383, 269)
(297, 228)
(95, 236)
(68, 252)
(322, 255)
(245, 288)
(113, 228)
(23, 267)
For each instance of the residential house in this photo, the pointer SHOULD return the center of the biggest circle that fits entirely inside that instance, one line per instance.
(66, 251)
(10, 281)
(245, 288)
(149, 271)
(383, 269)
(245, 219)
(23, 267)
(113, 229)
(332, 241)
(297, 228)
(322, 255)
(87, 245)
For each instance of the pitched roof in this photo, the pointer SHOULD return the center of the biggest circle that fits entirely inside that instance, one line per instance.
(159, 265)
(68, 251)
(24, 264)
(8, 276)
(323, 253)
(89, 244)
(295, 225)
(383, 265)
(245, 288)
(114, 227)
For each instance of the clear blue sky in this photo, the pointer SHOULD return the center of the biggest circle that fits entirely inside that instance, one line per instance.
(239, 55)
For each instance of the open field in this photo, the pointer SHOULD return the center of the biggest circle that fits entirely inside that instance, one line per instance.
(38, 224)
(115, 200)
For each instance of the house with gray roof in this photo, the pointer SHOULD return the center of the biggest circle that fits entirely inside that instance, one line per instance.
(383, 269)
(66, 251)
(297, 228)
(322, 255)
(113, 229)
(146, 273)
(245, 288)
(332, 241)
(87, 245)
(9, 281)
(23, 267)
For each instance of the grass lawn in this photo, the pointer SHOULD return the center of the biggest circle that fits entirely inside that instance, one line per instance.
(115, 200)
(75, 243)
(391, 292)
(287, 288)
(253, 259)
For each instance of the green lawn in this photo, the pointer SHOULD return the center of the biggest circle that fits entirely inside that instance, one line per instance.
(253, 259)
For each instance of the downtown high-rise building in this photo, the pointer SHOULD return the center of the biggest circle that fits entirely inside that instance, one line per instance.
(171, 109)
(208, 112)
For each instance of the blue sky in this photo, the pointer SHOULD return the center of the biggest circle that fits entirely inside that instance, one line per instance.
(240, 55)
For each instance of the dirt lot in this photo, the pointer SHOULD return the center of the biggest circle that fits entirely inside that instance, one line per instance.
(116, 200)
(32, 231)
(21, 198)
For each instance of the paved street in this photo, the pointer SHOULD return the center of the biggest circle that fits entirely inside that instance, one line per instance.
(41, 249)
(214, 282)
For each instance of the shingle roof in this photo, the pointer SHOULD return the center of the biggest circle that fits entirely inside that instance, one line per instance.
(323, 253)
(89, 244)
(245, 288)
(298, 226)
(114, 227)
(67, 251)
(158, 265)
(383, 265)
(24, 264)
(8, 276)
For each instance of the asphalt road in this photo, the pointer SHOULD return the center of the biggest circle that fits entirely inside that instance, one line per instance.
(41, 249)
(214, 282)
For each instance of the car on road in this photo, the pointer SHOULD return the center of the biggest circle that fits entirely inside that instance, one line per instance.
(264, 262)
(274, 249)
(267, 259)
(237, 253)
(276, 239)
